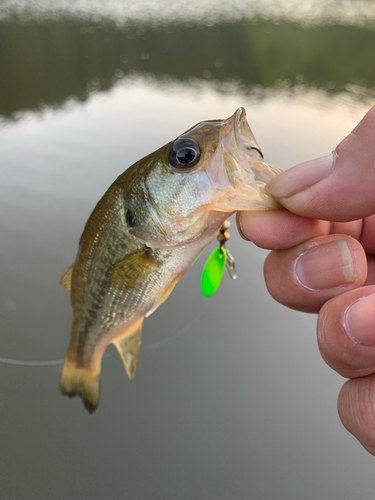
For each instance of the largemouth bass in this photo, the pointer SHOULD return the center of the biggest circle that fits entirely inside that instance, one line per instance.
(146, 231)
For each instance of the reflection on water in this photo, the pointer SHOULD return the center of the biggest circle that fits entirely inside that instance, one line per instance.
(47, 61)
(208, 12)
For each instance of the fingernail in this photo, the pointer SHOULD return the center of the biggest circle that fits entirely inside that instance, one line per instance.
(359, 321)
(326, 266)
(239, 227)
(300, 177)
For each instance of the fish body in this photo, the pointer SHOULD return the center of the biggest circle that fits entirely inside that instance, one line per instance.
(146, 231)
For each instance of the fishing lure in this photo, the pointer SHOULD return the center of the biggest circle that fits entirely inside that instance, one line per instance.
(220, 259)
(147, 230)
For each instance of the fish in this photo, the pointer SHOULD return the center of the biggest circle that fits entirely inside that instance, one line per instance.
(146, 231)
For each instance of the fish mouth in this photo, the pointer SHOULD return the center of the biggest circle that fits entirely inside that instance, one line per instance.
(244, 170)
(244, 136)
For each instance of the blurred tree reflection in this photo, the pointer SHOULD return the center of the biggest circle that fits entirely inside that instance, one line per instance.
(47, 61)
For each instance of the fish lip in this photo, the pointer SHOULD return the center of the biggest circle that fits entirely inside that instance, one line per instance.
(239, 129)
(240, 143)
(239, 115)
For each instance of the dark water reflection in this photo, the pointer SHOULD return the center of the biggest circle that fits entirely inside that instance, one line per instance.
(47, 61)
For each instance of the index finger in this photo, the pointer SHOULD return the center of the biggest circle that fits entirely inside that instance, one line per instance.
(279, 229)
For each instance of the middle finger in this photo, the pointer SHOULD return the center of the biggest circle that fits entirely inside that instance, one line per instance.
(306, 276)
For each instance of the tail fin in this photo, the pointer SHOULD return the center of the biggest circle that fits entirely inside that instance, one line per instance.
(76, 380)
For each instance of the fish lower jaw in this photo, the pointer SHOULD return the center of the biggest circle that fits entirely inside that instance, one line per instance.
(245, 200)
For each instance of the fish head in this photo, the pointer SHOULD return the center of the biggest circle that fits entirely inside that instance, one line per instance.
(190, 185)
(237, 170)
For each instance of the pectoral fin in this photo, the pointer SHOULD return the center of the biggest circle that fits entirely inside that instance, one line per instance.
(66, 280)
(132, 270)
(128, 347)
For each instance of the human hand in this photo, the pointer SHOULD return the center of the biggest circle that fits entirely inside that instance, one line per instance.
(323, 260)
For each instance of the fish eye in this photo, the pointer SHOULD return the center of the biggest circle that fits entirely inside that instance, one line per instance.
(184, 155)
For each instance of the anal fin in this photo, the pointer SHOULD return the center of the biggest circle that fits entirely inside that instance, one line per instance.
(129, 347)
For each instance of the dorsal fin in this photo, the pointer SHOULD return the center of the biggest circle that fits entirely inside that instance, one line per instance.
(66, 280)
(128, 347)
(132, 270)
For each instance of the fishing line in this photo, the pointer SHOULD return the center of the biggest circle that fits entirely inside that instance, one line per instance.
(18, 362)
(177, 334)
(147, 348)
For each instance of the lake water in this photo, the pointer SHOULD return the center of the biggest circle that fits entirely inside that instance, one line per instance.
(231, 400)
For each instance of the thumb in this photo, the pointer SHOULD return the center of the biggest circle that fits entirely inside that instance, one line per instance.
(336, 187)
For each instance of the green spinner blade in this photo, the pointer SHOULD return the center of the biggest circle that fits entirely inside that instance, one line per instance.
(213, 271)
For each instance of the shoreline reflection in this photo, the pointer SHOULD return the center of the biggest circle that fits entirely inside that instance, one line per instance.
(51, 61)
